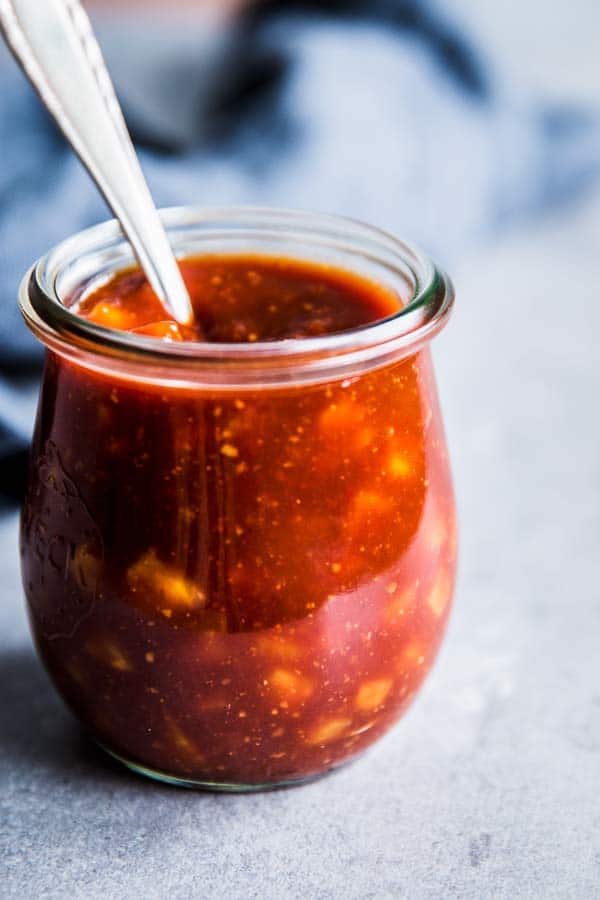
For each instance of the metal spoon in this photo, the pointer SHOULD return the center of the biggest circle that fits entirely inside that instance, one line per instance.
(55, 46)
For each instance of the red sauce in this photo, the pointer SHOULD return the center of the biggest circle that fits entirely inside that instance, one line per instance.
(243, 299)
(244, 587)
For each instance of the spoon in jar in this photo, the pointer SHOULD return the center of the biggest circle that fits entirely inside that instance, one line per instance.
(55, 46)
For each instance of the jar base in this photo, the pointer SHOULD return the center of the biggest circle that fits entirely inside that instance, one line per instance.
(220, 787)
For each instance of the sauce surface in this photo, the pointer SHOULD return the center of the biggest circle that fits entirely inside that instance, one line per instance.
(240, 587)
(238, 299)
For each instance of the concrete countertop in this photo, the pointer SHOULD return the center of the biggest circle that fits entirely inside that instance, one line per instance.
(489, 787)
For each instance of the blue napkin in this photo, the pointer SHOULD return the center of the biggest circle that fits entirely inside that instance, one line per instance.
(376, 109)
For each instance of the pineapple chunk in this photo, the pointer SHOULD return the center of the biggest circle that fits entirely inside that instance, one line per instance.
(111, 316)
(328, 730)
(366, 504)
(278, 647)
(413, 655)
(108, 652)
(168, 587)
(230, 451)
(346, 421)
(373, 693)
(439, 596)
(437, 532)
(292, 686)
(181, 742)
(340, 417)
(401, 601)
(400, 465)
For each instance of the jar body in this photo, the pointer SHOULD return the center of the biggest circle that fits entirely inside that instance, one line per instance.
(239, 588)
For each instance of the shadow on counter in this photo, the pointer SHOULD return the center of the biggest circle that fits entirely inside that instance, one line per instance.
(38, 733)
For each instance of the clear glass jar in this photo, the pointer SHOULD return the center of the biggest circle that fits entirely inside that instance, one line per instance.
(238, 559)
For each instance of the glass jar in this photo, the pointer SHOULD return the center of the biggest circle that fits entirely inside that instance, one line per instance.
(238, 558)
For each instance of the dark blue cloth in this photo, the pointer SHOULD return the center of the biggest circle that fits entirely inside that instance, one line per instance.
(372, 108)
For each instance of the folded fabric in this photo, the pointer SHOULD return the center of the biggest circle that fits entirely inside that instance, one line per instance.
(378, 110)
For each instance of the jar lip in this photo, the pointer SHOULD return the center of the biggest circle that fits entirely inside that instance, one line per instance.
(403, 333)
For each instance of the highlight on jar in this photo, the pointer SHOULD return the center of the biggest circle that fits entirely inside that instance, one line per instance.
(239, 538)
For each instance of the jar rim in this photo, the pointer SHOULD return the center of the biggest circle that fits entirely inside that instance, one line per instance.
(42, 299)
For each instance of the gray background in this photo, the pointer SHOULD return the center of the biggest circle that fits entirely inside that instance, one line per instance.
(490, 786)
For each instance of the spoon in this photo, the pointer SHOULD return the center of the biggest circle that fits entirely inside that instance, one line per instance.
(53, 42)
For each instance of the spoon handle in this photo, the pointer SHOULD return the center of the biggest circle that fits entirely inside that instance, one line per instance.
(54, 44)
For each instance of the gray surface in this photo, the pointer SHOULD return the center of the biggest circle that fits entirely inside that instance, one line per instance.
(490, 786)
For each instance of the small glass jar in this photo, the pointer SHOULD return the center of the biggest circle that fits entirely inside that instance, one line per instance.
(238, 558)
